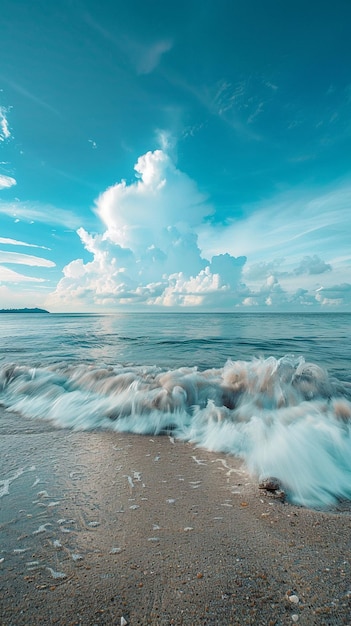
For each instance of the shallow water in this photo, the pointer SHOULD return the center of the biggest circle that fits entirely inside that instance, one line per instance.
(272, 389)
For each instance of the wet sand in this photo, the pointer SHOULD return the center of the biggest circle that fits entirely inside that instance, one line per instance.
(98, 528)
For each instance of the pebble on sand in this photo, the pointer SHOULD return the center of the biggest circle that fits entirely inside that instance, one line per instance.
(270, 484)
(292, 597)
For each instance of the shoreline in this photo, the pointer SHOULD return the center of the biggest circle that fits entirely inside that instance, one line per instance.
(100, 526)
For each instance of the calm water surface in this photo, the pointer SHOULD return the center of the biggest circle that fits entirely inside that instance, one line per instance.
(176, 340)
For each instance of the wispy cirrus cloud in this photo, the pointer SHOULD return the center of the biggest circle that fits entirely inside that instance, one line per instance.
(304, 221)
(29, 95)
(145, 57)
(15, 242)
(4, 125)
(237, 104)
(7, 181)
(25, 259)
(38, 212)
(10, 276)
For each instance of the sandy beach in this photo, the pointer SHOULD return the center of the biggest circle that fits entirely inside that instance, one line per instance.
(109, 528)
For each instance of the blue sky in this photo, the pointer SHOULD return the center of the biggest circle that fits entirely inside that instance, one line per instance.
(175, 155)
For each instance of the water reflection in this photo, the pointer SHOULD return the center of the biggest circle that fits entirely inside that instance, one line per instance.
(175, 340)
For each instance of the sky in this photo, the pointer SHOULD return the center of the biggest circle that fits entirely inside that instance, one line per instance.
(162, 155)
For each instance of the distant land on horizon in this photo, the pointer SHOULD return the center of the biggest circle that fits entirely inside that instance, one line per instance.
(25, 310)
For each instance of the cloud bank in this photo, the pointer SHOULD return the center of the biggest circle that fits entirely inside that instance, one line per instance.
(149, 255)
(149, 252)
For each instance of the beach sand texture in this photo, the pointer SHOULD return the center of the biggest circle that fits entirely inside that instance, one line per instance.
(109, 528)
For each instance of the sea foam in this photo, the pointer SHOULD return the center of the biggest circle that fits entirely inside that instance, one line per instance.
(284, 417)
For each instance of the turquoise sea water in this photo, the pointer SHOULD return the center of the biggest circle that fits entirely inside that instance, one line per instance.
(274, 390)
(175, 340)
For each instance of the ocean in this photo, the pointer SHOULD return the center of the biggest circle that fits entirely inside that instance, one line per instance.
(271, 389)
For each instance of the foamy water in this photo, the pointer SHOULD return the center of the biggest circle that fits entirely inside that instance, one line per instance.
(285, 416)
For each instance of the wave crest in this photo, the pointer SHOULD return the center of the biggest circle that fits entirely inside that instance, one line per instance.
(284, 417)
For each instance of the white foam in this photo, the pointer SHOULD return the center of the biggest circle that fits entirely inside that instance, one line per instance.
(5, 484)
(20, 550)
(41, 529)
(56, 574)
(284, 417)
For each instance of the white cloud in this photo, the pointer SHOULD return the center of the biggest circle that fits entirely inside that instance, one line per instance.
(143, 214)
(312, 265)
(15, 242)
(193, 291)
(24, 259)
(335, 296)
(259, 271)
(302, 222)
(4, 125)
(43, 213)
(145, 57)
(149, 252)
(281, 267)
(9, 276)
(7, 181)
(278, 297)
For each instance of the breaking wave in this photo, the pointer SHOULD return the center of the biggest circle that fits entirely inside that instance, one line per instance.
(284, 417)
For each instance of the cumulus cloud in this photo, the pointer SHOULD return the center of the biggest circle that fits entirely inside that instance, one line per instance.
(312, 265)
(149, 250)
(274, 295)
(259, 271)
(162, 197)
(7, 181)
(334, 296)
(284, 270)
(193, 291)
